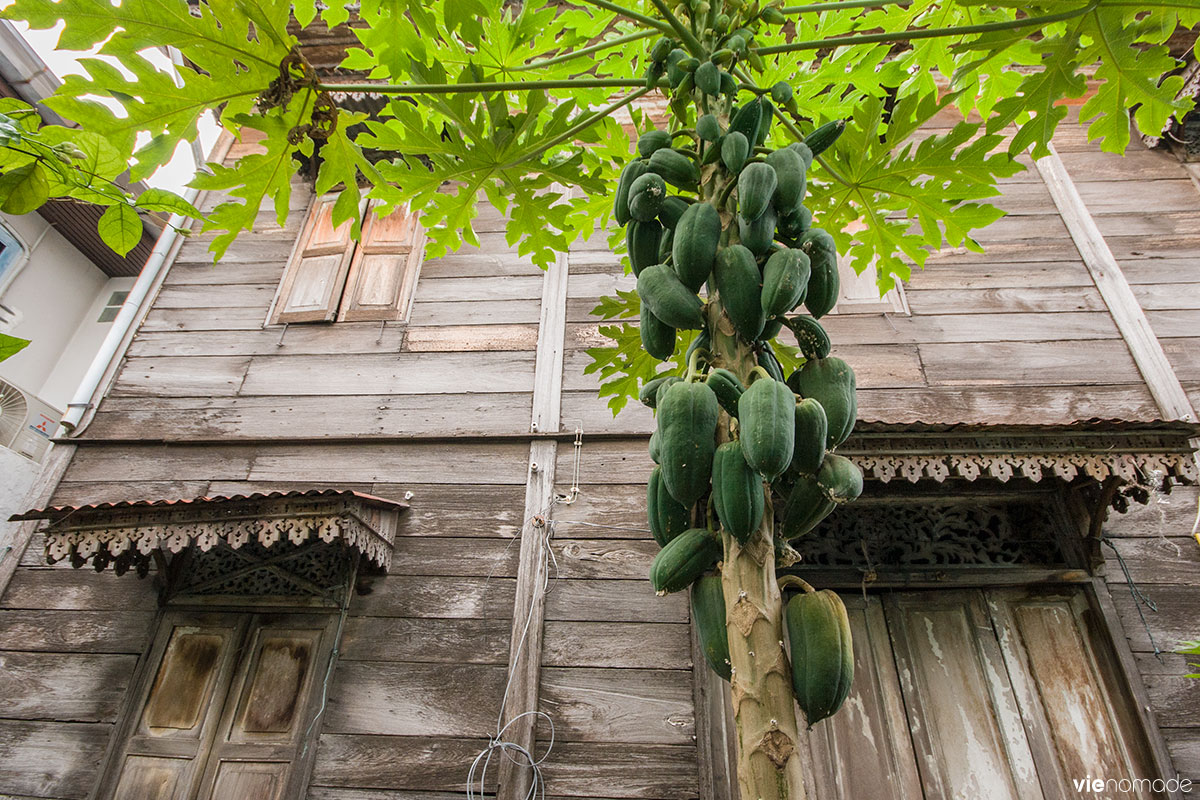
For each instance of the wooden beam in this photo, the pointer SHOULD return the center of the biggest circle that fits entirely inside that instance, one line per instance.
(529, 607)
(1147, 351)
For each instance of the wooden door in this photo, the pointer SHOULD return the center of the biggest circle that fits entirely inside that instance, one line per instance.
(1001, 694)
(224, 712)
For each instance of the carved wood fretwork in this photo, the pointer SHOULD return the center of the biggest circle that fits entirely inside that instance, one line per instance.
(130, 537)
(935, 535)
(312, 569)
(1149, 457)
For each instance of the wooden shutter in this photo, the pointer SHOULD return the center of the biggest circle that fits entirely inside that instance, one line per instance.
(1079, 721)
(316, 273)
(225, 711)
(864, 751)
(385, 267)
(270, 706)
(176, 708)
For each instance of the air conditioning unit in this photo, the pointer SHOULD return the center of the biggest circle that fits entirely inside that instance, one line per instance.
(26, 423)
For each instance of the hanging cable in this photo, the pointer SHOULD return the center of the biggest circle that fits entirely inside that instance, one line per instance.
(1139, 598)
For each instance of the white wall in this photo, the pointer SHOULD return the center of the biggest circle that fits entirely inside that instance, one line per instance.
(16, 476)
(58, 294)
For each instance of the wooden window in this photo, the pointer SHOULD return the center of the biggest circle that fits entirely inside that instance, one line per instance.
(331, 277)
(990, 694)
(224, 709)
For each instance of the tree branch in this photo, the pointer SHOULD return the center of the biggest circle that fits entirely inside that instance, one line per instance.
(842, 5)
(628, 13)
(929, 33)
(689, 40)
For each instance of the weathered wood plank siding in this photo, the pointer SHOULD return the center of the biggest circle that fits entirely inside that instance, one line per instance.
(1163, 561)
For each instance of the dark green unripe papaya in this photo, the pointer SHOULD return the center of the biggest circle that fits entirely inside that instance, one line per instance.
(795, 223)
(694, 250)
(667, 517)
(648, 394)
(792, 182)
(650, 141)
(767, 420)
(739, 286)
(823, 137)
(722, 23)
(687, 424)
(708, 78)
(672, 209)
(773, 16)
(804, 506)
(708, 128)
(830, 382)
(654, 73)
(708, 610)
(785, 281)
(668, 299)
(771, 329)
(756, 188)
(768, 109)
(840, 478)
(646, 196)
(769, 361)
(824, 284)
(676, 168)
(642, 239)
(689, 64)
(712, 153)
(727, 388)
(675, 73)
(734, 149)
(684, 559)
(653, 447)
(822, 653)
(660, 50)
(747, 119)
(633, 170)
(805, 153)
(737, 492)
(664, 245)
(729, 85)
(658, 338)
(781, 92)
(811, 336)
(812, 431)
(757, 235)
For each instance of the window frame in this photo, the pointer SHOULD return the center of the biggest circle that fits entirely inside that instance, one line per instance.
(350, 274)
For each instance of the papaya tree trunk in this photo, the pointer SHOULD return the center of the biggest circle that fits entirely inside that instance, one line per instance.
(767, 735)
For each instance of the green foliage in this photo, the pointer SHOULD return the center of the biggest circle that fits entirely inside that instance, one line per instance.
(1190, 648)
(11, 345)
(516, 103)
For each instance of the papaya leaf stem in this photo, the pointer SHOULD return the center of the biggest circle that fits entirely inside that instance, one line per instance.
(587, 51)
(629, 13)
(841, 5)
(792, 580)
(483, 88)
(927, 33)
(689, 40)
(574, 130)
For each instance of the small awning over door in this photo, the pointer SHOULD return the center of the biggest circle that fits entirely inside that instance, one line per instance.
(127, 534)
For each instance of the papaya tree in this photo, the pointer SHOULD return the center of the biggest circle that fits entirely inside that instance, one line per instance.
(792, 134)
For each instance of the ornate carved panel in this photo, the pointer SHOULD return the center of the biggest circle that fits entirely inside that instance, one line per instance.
(931, 534)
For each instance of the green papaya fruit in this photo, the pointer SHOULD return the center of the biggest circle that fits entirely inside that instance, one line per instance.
(824, 284)
(687, 424)
(708, 610)
(708, 128)
(727, 388)
(651, 141)
(708, 78)
(785, 281)
(840, 478)
(810, 335)
(831, 382)
(676, 168)
(812, 431)
(672, 210)
(822, 653)
(734, 149)
(658, 338)
(739, 286)
(646, 196)
(648, 394)
(756, 188)
(669, 300)
(767, 425)
(694, 250)
(633, 170)
(823, 137)
(642, 239)
(757, 235)
(667, 517)
(684, 559)
(790, 174)
(804, 506)
(737, 492)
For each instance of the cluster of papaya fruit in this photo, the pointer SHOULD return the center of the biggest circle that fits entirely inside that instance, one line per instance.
(721, 242)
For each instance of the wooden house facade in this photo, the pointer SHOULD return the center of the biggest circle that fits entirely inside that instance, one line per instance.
(381, 515)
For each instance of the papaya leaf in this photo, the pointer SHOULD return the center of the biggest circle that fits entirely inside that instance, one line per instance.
(167, 202)
(24, 189)
(11, 345)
